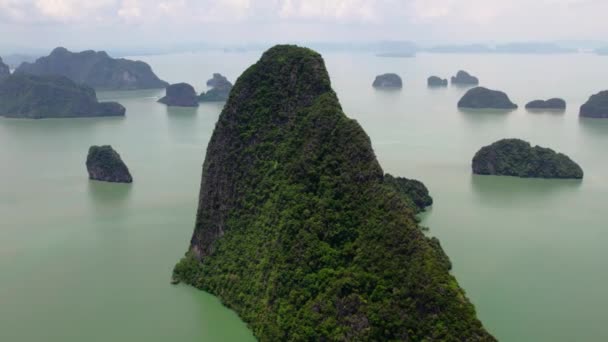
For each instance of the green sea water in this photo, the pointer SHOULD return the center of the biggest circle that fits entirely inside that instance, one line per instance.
(83, 260)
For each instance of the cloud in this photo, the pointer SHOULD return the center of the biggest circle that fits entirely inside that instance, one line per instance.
(356, 10)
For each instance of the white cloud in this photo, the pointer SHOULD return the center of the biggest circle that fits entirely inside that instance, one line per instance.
(322, 9)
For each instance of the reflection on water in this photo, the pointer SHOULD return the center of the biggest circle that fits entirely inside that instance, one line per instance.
(597, 127)
(546, 111)
(108, 194)
(503, 189)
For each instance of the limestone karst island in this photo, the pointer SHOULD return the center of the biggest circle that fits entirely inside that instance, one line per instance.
(303, 170)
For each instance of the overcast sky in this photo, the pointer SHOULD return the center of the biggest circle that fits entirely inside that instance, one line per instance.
(123, 23)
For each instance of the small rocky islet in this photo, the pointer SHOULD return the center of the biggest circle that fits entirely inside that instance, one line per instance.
(220, 89)
(550, 104)
(465, 79)
(388, 81)
(518, 158)
(436, 81)
(180, 95)
(412, 191)
(484, 98)
(596, 106)
(51, 96)
(105, 164)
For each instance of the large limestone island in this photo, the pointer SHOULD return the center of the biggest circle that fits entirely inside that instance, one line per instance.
(484, 98)
(5, 71)
(413, 191)
(220, 89)
(388, 81)
(435, 81)
(37, 97)
(550, 104)
(104, 164)
(514, 157)
(180, 95)
(464, 78)
(95, 69)
(596, 106)
(296, 229)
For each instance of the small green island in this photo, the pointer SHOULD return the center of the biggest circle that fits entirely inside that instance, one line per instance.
(104, 164)
(484, 98)
(463, 78)
(220, 89)
(436, 81)
(180, 95)
(515, 157)
(388, 81)
(299, 230)
(550, 104)
(596, 106)
(38, 97)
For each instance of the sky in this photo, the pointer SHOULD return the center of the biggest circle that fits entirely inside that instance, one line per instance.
(140, 23)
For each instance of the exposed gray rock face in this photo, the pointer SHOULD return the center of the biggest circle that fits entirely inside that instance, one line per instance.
(95, 69)
(104, 164)
(180, 95)
(464, 78)
(480, 97)
(596, 106)
(388, 81)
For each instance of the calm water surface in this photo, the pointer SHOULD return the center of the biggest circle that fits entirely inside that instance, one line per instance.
(82, 260)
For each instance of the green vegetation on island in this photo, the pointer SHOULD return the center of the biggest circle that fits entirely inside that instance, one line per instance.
(95, 69)
(412, 191)
(104, 164)
(484, 98)
(296, 229)
(36, 97)
(515, 157)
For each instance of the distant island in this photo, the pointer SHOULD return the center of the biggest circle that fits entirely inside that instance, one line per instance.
(296, 229)
(180, 95)
(480, 98)
(5, 71)
(104, 164)
(37, 97)
(554, 103)
(435, 81)
(464, 78)
(396, 54)
(95, 69)
(413, 191)
(509, 48)
(220, 90)
(515, 157)
(388, 81)
(596, 106)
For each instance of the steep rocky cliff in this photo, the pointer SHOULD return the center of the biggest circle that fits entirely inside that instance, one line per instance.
(95, 69)
(5, 71)
(296, 229)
